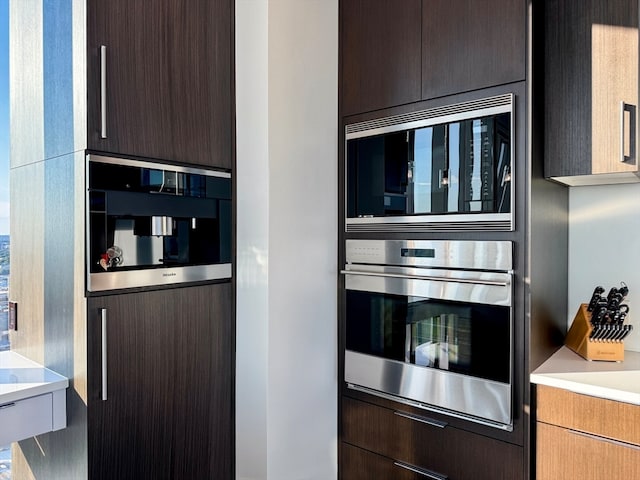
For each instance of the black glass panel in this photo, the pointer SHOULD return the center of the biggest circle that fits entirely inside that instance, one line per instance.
(470, 339)
(457, 167)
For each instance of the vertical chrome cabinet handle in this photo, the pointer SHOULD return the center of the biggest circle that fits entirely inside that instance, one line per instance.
(103, 315)
(626, 107)
(103, 91)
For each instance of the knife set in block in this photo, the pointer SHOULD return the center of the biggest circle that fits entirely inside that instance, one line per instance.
(580, 340)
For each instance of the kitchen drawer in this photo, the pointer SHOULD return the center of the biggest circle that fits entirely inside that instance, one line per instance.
(564, 453)
(359, 464)
(25, 418)
(434, 446)
(606, 418)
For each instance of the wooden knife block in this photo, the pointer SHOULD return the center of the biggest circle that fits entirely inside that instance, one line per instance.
(578, 340)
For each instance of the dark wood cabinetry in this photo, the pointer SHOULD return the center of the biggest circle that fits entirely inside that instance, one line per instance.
(380, 54)
(169, 72)
(591, 91)
(169, 395)
(426, 444)
(471, 44)
(394, 53)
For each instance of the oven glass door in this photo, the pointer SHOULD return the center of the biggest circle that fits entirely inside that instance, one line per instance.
(442, 341)
(453, 168)
(458, 337)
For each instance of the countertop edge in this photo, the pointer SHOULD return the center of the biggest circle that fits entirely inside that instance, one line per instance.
(589, 378)
(12, 360)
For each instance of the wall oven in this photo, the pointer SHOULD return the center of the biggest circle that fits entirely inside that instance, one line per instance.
(154, 224)
(430, 323)
(442, 169)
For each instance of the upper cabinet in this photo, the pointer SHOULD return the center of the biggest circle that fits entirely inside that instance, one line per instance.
(394, 53)
(591, 91)
(160, 79)
(471, 44)
(380, 44)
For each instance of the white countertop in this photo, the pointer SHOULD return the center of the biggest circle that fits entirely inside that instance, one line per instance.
(22, 378)
(610, 380)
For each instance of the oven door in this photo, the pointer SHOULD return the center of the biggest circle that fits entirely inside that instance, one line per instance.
(438, 339)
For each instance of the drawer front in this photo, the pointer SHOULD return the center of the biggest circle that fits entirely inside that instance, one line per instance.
(417, 441)
(563, 453)
(359, 464)
(26, 418)
(607, 418)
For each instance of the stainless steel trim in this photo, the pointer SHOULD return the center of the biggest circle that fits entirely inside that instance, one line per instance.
(421, 419)
(458, 254)
(161, 226)
(378, 225)
(157, 276)
(103, 91)
(604, 439)
(103, 318)
(479, 400)
(421, 471)
(432, 116)
(426, 277)
(157, 166)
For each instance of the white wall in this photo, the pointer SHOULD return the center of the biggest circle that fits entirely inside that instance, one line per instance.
(287, 74)
(252, 184)
(604, 247)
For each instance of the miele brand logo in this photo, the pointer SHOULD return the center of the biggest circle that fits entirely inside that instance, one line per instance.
(169, 274)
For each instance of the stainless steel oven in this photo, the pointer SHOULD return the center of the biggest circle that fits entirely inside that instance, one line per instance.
(430, 323)
(442, 169)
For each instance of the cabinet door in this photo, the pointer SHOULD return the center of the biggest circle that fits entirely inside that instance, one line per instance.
(591, 87)
(563, 453)
(168, 79)
(472, 44)
(169, 370)
(380, 46)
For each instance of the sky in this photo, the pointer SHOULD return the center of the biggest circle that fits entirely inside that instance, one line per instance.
(4, 117)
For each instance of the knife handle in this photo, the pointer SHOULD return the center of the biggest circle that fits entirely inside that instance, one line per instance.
(595, 298)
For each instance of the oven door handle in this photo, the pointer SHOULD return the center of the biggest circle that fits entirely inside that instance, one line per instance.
(426, 277)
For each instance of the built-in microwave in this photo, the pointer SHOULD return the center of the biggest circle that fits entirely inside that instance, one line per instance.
(449, 168)
(153, 224)
(430, 323)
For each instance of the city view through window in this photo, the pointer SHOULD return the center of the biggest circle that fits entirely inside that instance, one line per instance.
(4, 174)
(5, 451)
(4, 292)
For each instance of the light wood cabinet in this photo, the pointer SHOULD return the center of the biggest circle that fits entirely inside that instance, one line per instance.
(585, 437)
(591, 91)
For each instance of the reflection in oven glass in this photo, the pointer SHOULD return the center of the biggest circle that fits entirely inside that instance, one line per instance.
(467, 338)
